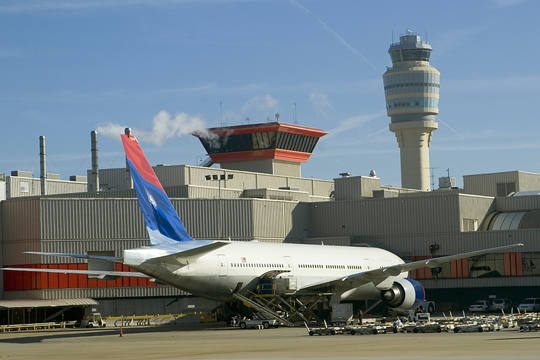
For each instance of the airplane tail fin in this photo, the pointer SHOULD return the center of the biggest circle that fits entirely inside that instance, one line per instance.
(162, 221)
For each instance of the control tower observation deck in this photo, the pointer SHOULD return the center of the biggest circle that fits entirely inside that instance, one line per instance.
(272, 148)
(411, 89)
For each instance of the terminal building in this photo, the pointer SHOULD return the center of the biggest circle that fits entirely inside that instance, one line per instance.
(258, 193)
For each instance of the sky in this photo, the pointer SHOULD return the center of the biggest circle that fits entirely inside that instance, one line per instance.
(166, 68)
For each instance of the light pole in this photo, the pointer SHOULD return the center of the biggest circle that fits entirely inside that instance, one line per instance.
(219, 178)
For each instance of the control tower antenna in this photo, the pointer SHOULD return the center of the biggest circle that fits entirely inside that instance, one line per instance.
(411, 89)
(221, 110)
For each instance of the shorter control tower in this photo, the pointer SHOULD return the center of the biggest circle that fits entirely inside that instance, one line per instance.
(411, 89)
(272, 148)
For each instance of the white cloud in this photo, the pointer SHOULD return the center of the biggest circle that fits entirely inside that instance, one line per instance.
(321, 103)
(354, 122)
(264, 103)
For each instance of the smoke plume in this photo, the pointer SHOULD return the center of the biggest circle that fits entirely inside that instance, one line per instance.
(164, 127)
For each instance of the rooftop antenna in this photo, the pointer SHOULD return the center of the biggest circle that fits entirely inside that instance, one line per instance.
(247, 121)
(425, 30)
(277, 117)
(392, 36)
(221, 110)
(433, 177)
(295, 119)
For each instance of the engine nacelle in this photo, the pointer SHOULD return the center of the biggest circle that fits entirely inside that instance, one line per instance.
(405, 294)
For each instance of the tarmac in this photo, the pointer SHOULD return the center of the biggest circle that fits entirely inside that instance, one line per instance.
(216, 341)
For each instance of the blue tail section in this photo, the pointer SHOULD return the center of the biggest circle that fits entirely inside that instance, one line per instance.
(162, 221)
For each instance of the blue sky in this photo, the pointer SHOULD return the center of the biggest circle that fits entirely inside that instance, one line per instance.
(68, 67)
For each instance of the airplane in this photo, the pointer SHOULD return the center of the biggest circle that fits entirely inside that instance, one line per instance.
(216, 269)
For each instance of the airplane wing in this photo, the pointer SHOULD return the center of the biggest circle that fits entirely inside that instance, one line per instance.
(79, 256)
(378, 275)
(102, 274)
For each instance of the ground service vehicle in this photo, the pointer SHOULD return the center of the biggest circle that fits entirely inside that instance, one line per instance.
(257, 320)
(480, 306)
(530, 304)
(502, 304)
(94, 320)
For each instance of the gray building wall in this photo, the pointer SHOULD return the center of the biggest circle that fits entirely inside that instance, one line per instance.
(26, 186)
(486, 184)
(432, 213)
(356, 187)
(175, 177)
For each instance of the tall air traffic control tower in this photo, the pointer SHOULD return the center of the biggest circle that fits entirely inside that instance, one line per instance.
(411, 89)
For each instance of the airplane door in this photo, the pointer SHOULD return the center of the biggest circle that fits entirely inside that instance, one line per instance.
(289, 264)
(222, 263)
(368, 265)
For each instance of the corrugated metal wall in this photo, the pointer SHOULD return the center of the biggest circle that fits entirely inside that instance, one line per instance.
(75, 219)
(336, 241)
(96, 293)
(287, 168)
(528, 181)
(15, 187)
(485, 184)
(475, 208)
(500, 282)
(174, 177)
(21, 219)
(278, 219)
(517, 203)
(171, 175)
(438, 213)
(357, 187)
(111, 179)
(454, 243)
(258, 166)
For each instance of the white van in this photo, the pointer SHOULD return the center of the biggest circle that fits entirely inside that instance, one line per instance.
(530, 305)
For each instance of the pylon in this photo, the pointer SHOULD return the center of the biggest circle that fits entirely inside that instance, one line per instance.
(121, 332)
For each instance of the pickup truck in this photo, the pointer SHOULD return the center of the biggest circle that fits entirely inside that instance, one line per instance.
(256, 321)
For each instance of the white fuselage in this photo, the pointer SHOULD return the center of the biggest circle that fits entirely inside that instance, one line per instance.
(218, 273)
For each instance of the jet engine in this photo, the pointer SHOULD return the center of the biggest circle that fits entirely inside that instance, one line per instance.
(405, 294)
